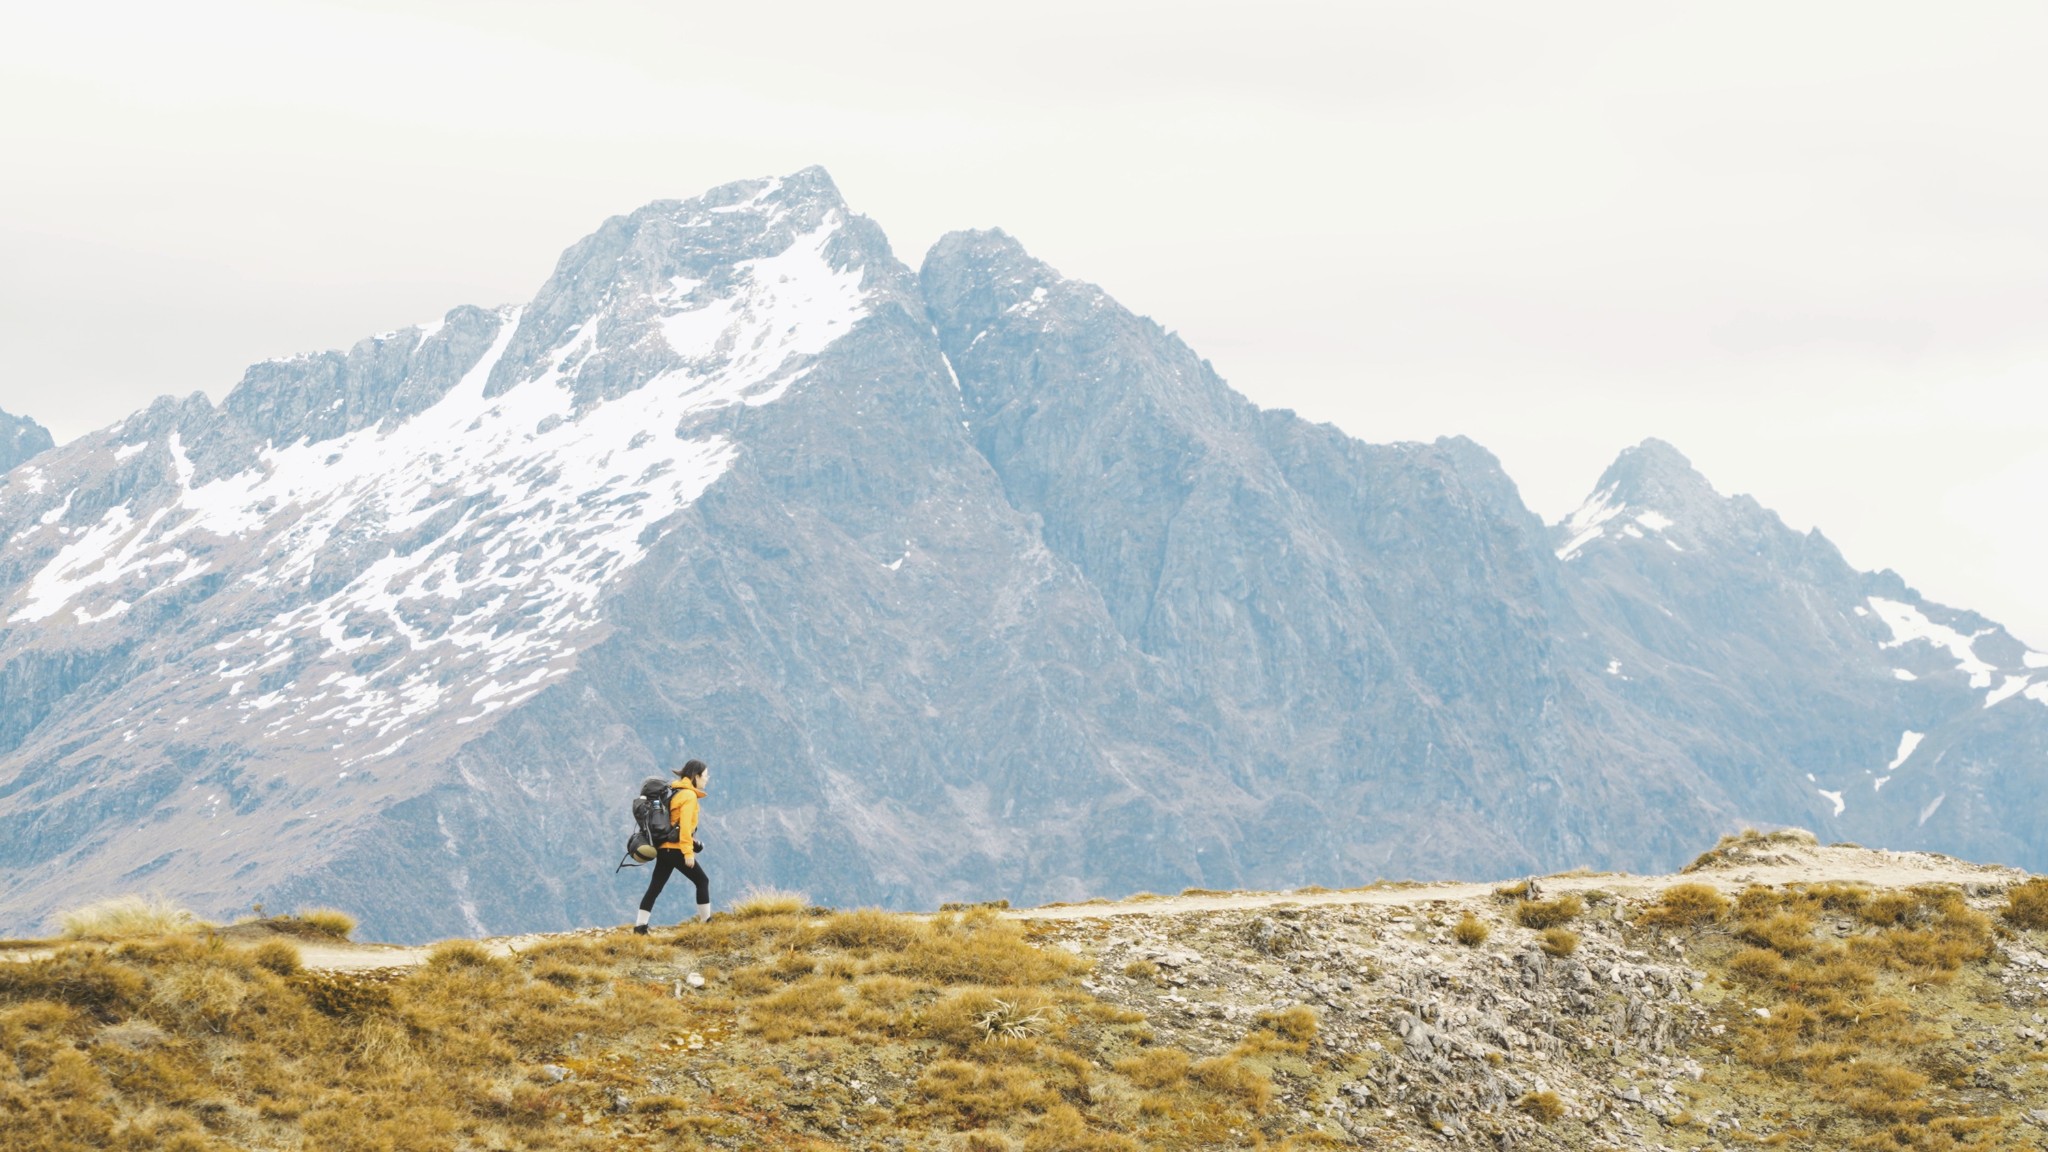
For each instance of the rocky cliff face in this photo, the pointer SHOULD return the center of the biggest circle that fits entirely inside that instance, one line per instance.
(967, 581)
(20, 439)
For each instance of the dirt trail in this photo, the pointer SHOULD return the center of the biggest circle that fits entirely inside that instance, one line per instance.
(1770, 863)
(346, 957)
(1778, 861)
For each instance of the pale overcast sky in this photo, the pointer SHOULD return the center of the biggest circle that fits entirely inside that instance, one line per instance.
(1806, 243)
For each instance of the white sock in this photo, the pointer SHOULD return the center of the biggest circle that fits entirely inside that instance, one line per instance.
(644, 917)
(703, 913)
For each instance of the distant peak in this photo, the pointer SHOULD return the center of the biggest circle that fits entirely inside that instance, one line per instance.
(1653, 473)
(802, 199)
(1647, 490)
(990, 249)
(971, 278)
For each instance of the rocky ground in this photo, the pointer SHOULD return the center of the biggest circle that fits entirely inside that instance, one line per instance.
(1424, 1039)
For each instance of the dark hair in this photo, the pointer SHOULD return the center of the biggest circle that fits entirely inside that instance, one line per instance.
(694, 770)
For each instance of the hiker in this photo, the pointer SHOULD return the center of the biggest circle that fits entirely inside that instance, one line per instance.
(680, 854)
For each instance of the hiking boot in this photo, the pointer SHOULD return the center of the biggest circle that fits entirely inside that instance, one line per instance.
(639, 929)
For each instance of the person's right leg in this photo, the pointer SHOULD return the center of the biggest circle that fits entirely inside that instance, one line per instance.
(702, 883)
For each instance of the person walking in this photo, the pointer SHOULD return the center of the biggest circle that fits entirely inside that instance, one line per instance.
(680, 854)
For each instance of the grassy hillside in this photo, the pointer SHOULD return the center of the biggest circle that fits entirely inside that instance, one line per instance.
(809, 1031)
(1704, 1011)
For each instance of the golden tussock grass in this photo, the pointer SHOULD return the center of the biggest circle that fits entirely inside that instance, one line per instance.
(1841, 975)
(1156, 1068)
(1549, 913)
(2026, 904)
(1230, 1077)
(769, 902)
(1295, 1024)
(985, 1038)
(1559, 942)
(315, 923)
(1732, 844)
(128, 918)
(1470, 931)
(1544, 1107)
(1686, 906)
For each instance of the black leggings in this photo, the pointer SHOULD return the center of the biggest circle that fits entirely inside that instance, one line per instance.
(669, 860)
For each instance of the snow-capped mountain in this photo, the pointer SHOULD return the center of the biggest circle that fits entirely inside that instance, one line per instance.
(1836, 699)
(967, 581)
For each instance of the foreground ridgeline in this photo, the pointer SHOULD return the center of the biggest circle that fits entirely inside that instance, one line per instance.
(1779, 994)
(970, 581)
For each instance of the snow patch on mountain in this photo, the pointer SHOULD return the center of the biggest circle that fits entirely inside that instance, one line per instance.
(1908, 741)
(2006, 691)
(114, 551)
(1587, 523)
(1908, 624)
(737, 346)
(1602, 511)
(1933, 806)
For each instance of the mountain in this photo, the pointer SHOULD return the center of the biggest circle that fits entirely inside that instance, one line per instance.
(1831, 698)
(20, 439)
(966, 580)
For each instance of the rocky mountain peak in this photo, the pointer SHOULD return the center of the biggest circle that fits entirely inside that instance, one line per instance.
(650, 293)
(21, 438)
(1654, 472)
(978, 274)
(1653, 491)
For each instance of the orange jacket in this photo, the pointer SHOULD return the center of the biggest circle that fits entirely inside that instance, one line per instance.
(682, 812)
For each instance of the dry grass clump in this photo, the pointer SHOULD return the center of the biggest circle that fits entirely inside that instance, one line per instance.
(769, 902)
(278, 956)
(1470, 931)
(1549, 913)
(978, 947)
(1290, 1030)
(1731, 846)
(1543, 1106)
(315, 923)
(1142, 969)
(1230, 1077)
(1155, 1067)
(2026, 905)
(1788, 933)
(1063, 1130)
(1686, 906)
(977, 1094)
(1559, 942)
(128, 918)
(866, 930)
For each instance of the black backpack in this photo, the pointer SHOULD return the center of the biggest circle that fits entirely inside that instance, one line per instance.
(652, 825)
